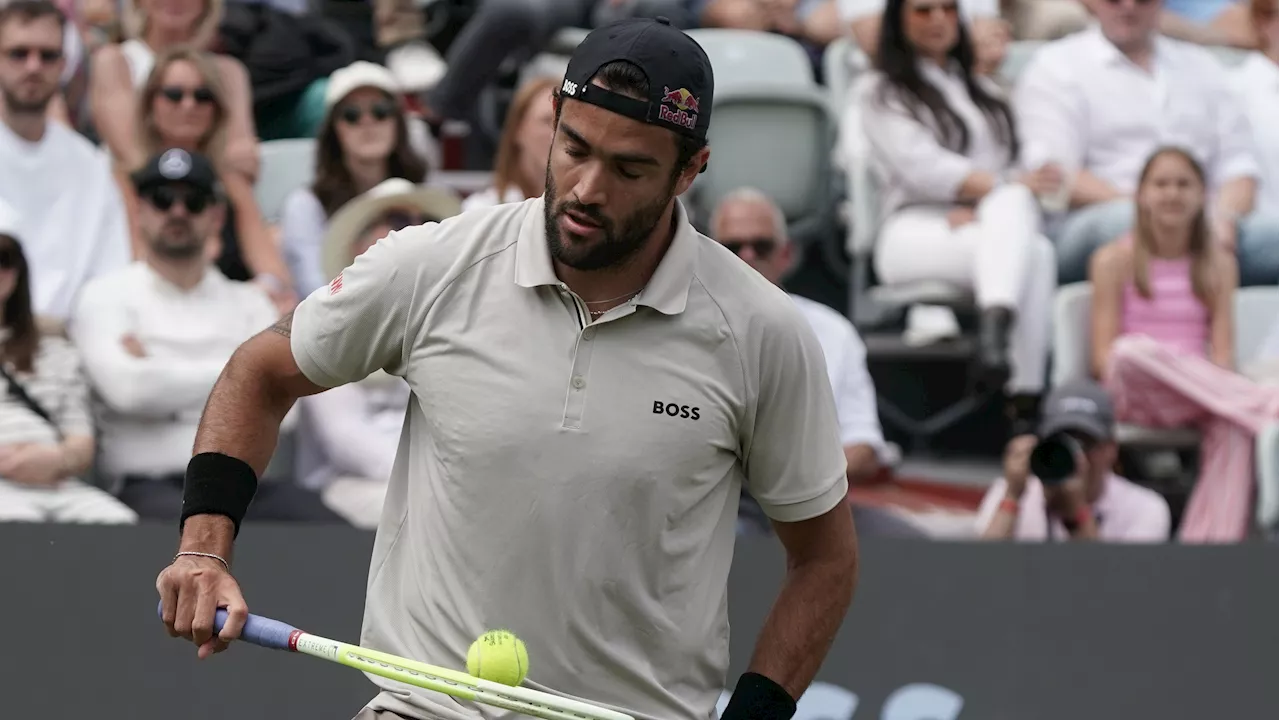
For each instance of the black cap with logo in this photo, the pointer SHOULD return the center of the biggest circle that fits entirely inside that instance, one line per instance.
(177, 166)
(1081, 406)
(678, 70)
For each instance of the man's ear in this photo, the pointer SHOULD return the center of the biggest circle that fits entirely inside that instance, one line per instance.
(689, 174)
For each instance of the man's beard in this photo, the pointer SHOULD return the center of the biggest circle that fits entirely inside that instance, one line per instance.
(619, 244)
(19, 106)
(173, 245)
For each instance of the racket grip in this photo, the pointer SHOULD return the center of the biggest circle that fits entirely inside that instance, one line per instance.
(258, 630)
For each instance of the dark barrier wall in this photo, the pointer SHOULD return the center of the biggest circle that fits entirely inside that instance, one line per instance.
(939, 631)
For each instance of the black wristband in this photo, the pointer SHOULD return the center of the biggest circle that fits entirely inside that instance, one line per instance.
(218, 484)
(758, 698)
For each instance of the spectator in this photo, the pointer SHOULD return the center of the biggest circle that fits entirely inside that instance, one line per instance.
(520, 169)
(65, 104)
(1101, 101)
(1257, 85)
(347, 436)
(46, 437)
(73, 220)
(1094, 503)
(1163, 341)
(184, 105)
(1207, 22)
(990, 34)
(155, 336)
(814, 21)
(750, 225)
(119, 73)
(364, 140)
(945, 145)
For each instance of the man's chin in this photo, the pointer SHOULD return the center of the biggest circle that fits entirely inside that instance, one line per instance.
(27, 104)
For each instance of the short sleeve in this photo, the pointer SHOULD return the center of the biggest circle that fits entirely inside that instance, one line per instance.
(357, 323)
(795, 465)
(73, 415)
(851, 10)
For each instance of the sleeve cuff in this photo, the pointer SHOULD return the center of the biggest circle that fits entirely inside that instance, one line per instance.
(811, 508)
(309, 366)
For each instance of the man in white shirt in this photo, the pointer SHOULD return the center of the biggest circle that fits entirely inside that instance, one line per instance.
(1100, 103)
(749, 224)
(593, 383)
(155, 335)
(73, 222)
(1085, 500)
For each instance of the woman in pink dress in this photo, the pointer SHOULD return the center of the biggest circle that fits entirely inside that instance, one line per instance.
(1163, 339)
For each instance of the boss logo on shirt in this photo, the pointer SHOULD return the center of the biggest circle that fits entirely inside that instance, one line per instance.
(674, 410)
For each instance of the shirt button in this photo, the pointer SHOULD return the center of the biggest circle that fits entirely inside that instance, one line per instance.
(579, 382)
(588, 334)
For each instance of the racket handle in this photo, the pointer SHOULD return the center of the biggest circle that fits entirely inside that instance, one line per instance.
(258, 630)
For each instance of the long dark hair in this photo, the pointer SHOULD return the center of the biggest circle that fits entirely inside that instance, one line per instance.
(334, 186)
(896, 60)
(19, 350)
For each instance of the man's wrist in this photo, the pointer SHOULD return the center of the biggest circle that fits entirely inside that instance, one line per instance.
(756, 697)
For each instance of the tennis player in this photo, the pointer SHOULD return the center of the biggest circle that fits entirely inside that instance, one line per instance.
(593, 382)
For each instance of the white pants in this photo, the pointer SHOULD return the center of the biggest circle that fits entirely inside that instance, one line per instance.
(1002, 256)
(357, 500)
(70, 501)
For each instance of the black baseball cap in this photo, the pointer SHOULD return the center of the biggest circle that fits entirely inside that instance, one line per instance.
(678, 70)
(1081, 406)
(177, 166)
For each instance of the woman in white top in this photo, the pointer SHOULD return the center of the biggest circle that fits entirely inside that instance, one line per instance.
(1257, 84)
(520, 168)
(363, 140)
(944, 145)
(120, 71)
(183, 104)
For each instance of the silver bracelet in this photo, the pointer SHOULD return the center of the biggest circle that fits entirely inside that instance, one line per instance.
(192, 553)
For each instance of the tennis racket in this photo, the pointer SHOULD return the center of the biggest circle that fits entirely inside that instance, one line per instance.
(276, 635)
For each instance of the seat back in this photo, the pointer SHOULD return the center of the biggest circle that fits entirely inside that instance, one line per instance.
(1256, 314)
(286, 166)
(745, 56)
(1268, 469)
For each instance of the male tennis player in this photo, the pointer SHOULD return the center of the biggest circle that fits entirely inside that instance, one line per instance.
(593, 381)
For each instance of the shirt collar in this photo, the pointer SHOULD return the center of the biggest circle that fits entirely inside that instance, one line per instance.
(207, 280)
(1110, 54)
(668, 289)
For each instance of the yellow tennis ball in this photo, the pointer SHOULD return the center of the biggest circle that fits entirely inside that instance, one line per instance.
(498, 656)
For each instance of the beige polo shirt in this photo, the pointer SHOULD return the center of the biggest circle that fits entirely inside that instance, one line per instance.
(576, 483)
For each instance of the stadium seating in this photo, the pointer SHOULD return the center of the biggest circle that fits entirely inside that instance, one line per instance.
(1268, 467)
(286, 166)
(765, 88)
(1256, 312)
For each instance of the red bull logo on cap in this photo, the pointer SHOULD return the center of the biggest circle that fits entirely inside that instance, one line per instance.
(686, 107)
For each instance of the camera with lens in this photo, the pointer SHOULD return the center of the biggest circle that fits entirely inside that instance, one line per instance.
(1054, 458)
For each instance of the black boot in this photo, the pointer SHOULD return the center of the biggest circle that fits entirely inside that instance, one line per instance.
(992, 361)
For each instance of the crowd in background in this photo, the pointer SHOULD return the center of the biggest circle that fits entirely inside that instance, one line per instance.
(134, 257)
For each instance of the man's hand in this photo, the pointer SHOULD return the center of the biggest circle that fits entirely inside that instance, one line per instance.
(960, 216)
(133, 346)
(35, 464)
(191, 591)
(1045, 181)
(1067, 498)
(1017, 464)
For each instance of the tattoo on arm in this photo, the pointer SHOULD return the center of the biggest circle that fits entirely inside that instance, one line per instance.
(284, 326)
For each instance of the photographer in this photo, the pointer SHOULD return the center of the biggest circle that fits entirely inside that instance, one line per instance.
(1063, 474)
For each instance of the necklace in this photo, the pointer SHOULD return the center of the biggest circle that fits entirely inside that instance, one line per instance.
(623, 296)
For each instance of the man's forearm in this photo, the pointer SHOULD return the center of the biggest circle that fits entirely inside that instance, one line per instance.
(804, 620)
(1090, 189)
(1235, 199)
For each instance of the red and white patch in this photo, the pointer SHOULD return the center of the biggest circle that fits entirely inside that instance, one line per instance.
(293, 640)
(335, 285)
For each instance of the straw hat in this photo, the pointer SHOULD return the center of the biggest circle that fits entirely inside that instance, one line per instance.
(353, 218)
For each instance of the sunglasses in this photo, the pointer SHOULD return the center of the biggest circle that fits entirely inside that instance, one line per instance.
(22, 53)
(163, 198)
(926, 10)
(379, 111)
(175, 94)
(761, 247)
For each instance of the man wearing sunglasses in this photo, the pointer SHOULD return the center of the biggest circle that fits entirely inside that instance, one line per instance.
(752, 227)
(156, 334)
(73, 223)
(1091, 502)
